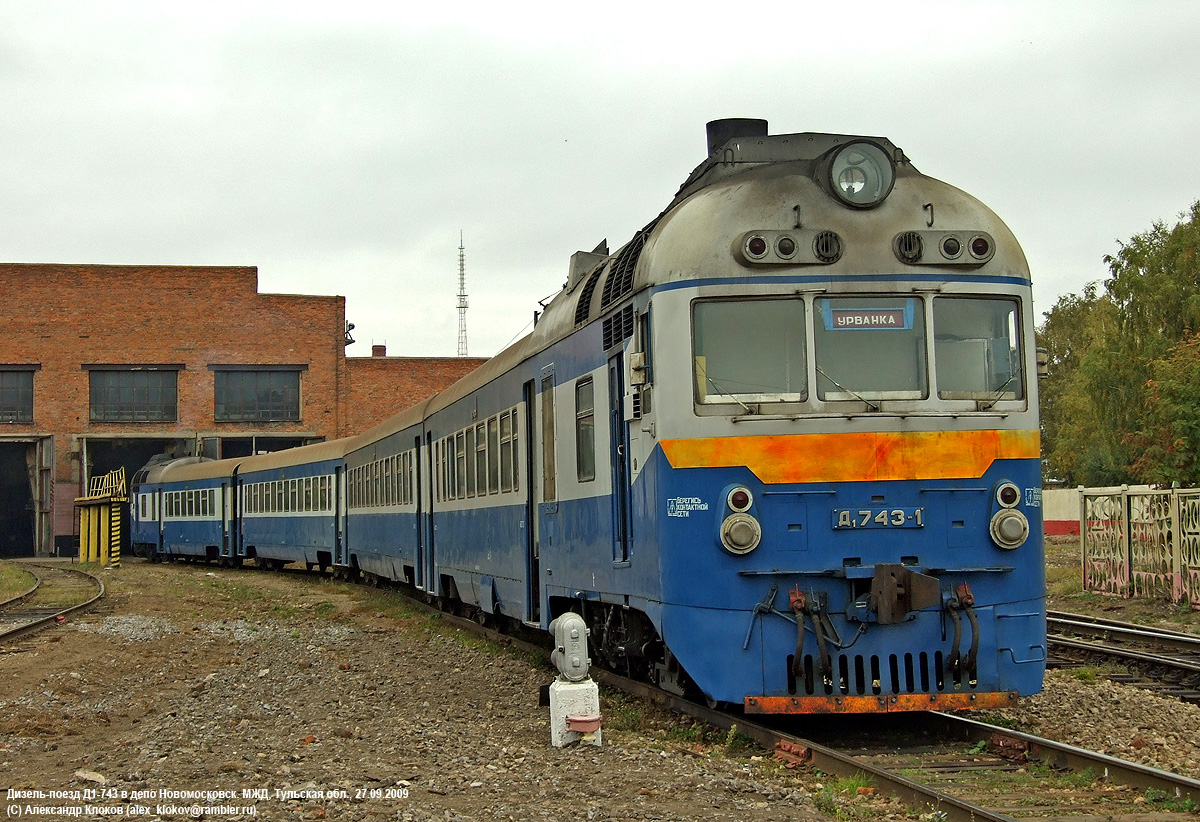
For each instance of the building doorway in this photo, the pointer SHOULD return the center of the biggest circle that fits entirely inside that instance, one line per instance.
(18, 504)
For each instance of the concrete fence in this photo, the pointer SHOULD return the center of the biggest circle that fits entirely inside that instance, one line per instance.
(1140, 542)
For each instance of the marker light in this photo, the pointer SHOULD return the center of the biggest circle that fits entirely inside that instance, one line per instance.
(980, 247)
(1008, 494)
(756, 246)
(862, 174)
(740, 499)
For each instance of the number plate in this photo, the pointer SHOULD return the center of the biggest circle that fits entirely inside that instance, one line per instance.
(878, 518)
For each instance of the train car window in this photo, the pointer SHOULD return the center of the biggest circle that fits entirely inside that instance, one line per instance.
(481, 459)
(406, 478)
(396, 481)
(469, 458)
(506, 451)
(280, 491)
(460, 464)
(585, 430)
(549, 486)
(493, 434)
(452, 465)
(308, 495)
(516, 466)
(750, 351)
(977, 349)
(293, 495)
(870, 348)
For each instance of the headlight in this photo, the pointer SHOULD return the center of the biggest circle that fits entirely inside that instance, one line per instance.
(740, 533)
(862, 175)
(1009, 528)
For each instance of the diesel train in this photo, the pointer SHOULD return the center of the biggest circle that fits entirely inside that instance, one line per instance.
(780, 450)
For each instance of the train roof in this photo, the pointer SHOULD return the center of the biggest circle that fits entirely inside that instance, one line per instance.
(302, 455)
(186, 468)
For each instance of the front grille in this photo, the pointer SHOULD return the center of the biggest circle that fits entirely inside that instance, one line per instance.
(860, 675)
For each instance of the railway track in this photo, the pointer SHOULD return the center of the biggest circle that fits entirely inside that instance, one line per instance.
(57, 592)
(1166, 662)
(956, 768)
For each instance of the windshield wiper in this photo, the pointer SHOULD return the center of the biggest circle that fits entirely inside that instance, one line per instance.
(990, 403)
(852, 393)
(709, 380)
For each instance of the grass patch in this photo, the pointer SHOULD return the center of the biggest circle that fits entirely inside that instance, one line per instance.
(737, 743)
(623, 712)
(1163, 800)
(1086, 673)
(837, 798)
(1064, 581)
(14, 580)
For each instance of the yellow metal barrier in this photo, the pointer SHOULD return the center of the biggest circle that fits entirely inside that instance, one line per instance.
(100, 519)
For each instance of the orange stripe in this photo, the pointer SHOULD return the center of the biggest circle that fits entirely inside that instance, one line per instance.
(854, 457)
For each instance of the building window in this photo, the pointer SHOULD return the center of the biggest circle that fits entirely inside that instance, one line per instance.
(134, 396)
(16, 396)
(257, 396)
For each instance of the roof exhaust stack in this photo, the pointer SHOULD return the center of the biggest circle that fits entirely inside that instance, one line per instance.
(721, 132)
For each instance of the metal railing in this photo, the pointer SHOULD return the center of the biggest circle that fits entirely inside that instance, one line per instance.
(100, 519)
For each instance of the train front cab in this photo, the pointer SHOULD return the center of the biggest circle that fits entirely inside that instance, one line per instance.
(840, 537)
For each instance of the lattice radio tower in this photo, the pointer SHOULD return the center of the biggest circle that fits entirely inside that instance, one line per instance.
(462, 299)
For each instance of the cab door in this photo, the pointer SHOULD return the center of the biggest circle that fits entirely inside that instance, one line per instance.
(619, 443)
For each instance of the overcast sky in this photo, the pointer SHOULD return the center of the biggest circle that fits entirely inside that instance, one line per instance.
(342, 146)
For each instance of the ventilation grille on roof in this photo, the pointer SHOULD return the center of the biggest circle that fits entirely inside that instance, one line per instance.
(618, 327)
(584, 307)
(619, 282)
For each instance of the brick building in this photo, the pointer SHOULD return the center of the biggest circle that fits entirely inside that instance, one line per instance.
(104, 366)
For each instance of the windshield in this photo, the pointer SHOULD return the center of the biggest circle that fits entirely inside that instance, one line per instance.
(870, 348)
(863, 349)
(976, 349)
(750, 351)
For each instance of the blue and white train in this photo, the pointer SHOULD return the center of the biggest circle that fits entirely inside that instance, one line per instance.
(780, 450)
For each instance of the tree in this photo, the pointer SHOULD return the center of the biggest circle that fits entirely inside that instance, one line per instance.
(1106, 419)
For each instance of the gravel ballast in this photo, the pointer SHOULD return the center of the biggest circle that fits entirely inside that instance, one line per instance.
(308, 699)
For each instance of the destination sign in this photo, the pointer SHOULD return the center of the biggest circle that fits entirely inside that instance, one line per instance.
(878, 318)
